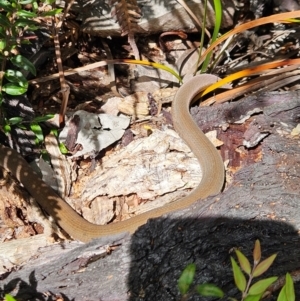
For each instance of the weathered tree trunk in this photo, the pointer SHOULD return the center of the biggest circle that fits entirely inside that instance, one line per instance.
(261, 202)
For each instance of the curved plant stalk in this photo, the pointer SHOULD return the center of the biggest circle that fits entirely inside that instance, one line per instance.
(146, 63)
(218, 21)
(284, 75)
(104, 63)
(250, 72)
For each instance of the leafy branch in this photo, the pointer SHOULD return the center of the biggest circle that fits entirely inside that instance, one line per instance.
(250, 292)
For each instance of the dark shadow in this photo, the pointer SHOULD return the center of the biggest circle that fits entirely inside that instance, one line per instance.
(161, 250)
(155, 257)
(20, 136)
(27, 291)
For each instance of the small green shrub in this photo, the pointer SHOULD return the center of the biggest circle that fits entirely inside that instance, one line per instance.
(17, 17)
(250, 292)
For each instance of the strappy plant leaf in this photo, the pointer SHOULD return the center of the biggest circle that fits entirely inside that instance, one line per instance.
(287, 292)
(209, 290)
(186, 278)
(244, 262)
(260, 286)
(264, 265)
(257, 252)
(239, 278)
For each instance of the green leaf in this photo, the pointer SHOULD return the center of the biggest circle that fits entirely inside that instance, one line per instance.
(46, 157)
(7, 128)
(23, 2)
(4, 21)
(17, 77)
(2, 33)
(30, 27)
(257, 252)
(6, 5)
(8, 297)
(22, 22)
(13, 89)
(260, 286)
(15, 120)
(152, 64)
(263, 266)
(37, 130)
(15, 5)
(2, 44)
(244, 262)
(26, 13)
(35, 6)
(289, 288)
(23, 127)
(54, 132)
(49, 1)
(186, 278)
(239, 277)
(25, 41)
(209, 290)
(282, 295)
(22, 62)
(43, 118)
(52, 12)
(253, 297)
(64, 151)
(218, 20)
